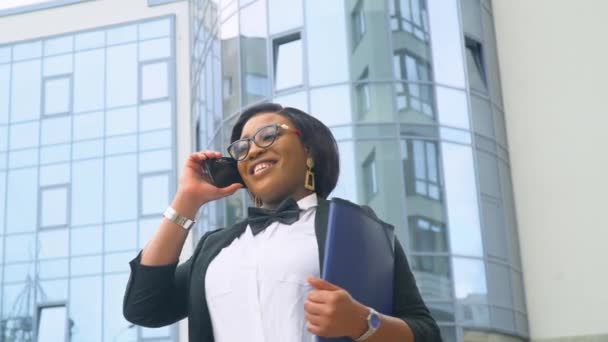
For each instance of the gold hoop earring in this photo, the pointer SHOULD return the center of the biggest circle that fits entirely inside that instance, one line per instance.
(309, 180)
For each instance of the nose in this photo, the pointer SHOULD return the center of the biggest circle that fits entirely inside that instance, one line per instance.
(254, 151)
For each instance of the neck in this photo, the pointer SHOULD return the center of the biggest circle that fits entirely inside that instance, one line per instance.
(272, 204)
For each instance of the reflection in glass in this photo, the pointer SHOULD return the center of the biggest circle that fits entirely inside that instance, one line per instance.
(121, 75)
(154, 81)
(409, 16)
(23, 192)
(427, 235)
(432, 276)
(155, 193)
(25, 81)
(370, 177)
(362, 91)
(254, 69)
(85, 309)
(444, 22)
(461, 199)
(89, 79)
(475, 65)
(54, 206)
(470, 281)
(358, 23)
(423, 165)
(288, 66)
(284, 15)
(413, 96)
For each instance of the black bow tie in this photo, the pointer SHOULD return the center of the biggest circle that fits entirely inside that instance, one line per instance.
(288, 212)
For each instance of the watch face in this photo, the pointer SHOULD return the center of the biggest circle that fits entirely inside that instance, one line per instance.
(374, 320)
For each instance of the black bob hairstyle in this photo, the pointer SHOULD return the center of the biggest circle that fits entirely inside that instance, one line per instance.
(315, 136)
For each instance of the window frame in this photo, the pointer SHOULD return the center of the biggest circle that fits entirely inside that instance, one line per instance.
(358, 24)
(475, 48)
(68, 205)
(48, 305)
(141, 177)
(44, 80)
(141, 85)
(370, 176)
(276, 44)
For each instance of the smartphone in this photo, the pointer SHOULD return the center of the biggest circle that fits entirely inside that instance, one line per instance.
(222, 172)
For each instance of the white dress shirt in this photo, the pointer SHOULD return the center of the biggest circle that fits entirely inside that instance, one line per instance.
(256, 286)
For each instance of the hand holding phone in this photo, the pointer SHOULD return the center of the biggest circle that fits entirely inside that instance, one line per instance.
(222, 172)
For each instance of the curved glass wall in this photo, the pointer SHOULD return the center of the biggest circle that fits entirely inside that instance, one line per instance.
(411, 91)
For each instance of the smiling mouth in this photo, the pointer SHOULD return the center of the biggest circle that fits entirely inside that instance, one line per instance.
(262, 167)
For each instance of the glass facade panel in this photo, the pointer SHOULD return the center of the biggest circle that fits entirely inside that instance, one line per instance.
(87, 240)
(121, 121)
(155, 193)
(88, 126)
(121, 75)
(284, 15)
(56, 130)
(57, 95)
(433, 277)
(331, 105)
(446, 42)
(120, 196)
(120, 236)
(53, 243)
(57, 65)
(24, 135)
(25, 84)
(155, 116)
(85, 308)
(288, 62)
(254, 60)
(23, 193)
(55, 46)
(89, 80)
(54, 204)
(154, 83)
(155, 49)
(5, 90)
(52, 323)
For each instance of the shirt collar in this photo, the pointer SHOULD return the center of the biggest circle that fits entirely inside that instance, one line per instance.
(308, 202)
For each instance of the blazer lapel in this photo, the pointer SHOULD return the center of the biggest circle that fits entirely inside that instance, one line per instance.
(199, 324)
(321, 217)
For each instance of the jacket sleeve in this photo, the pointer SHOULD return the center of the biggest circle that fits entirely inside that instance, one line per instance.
(157, 296)
(409, 305)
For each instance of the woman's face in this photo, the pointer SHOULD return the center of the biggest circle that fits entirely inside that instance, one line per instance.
(281, 168)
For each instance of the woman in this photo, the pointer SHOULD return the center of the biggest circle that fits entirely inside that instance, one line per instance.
(259, 279)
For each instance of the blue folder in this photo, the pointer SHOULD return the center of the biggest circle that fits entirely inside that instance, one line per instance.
(359, 257)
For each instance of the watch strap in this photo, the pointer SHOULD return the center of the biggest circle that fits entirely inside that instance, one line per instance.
(184, 222)
(370, 328)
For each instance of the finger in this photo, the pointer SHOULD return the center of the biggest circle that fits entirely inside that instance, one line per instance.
(319, 296)
(314, 320)
(314, 329)
(313, 308)
(230, 189)
(322, 284)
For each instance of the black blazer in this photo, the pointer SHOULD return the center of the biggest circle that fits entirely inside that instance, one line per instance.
(161, 295)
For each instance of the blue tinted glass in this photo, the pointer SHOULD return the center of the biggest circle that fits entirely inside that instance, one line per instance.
(331, 105)
(26, 80)
(55, 174)
(155, 49)
(120, 236)
(121, 121)
(284, 15)
(5, 90)
(154, 81)
(27, 50)
(155, 140)
(53, 243)
(23, 158)
(122, 144)
(57, 65)
(461, 200)
(288, 65)
(436, 268)
(90, 265)
(121, 188)
(122, 34)
(85, 309)
(445, 24)
(53, 269)
(154, 193)
(155, 116)
(3, 161)
(56, 130)
(89, 80)
(89, 40)
(24, 135)
(156, 332)
(55, 291)
(121, 72)
(155, 29)
(499, 285)
(13, 293)
(54, 206)
(87, 240)
(53, 154)
(59, 45)
(155, 161)
(5, 54)
(87, 126)
(19, 248)
(23, 192)
(114, 323)
(117, 262)
(57, 95)
(470, 280)
(87, 149)
(147, 228)
(87, 192)
(18, 272)
(2, 206)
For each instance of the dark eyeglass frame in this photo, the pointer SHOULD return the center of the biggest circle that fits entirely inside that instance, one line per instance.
(252, 139)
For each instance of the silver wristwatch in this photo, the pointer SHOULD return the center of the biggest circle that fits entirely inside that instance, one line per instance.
(184, 222)
(373, 324)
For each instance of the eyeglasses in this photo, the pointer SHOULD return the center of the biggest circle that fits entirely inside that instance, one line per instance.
(263, 138)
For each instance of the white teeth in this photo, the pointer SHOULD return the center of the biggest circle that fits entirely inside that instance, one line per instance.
(261, 166)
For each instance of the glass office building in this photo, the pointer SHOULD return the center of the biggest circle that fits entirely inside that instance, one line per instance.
(87, 164)
(411, 91)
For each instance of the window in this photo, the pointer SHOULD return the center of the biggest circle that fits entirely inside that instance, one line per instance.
(409, 16)
(423, 169)
(57, 95)
(427, 235)
(475, 66)
(52, 323)
(288, 63)
(227, 87)
(54, 204)
(417, 94)
(358, 22)
(154, 189)
(363, 93)
(154, 81)
(370, 176)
